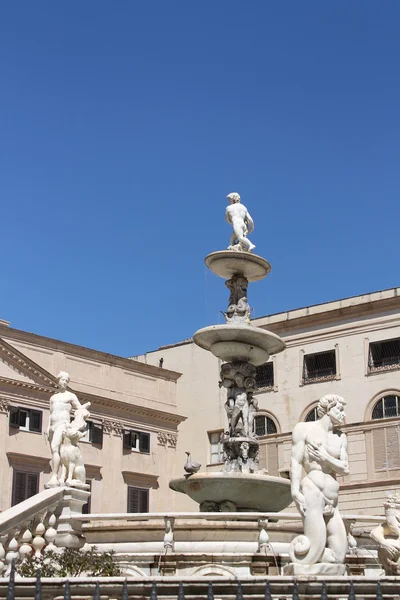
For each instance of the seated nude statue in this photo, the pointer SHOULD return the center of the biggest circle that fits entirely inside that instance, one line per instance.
(387, 536)
(239, 217)
(321, 449)
(61, 404)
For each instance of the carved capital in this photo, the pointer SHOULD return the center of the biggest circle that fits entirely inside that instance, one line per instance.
(107, 426)
(118, 428)
(164, 439)
(172, 440)
(4, 405)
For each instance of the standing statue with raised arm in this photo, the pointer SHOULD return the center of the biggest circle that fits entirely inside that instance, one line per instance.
(319, 448)
(239, 217)
(61, 404)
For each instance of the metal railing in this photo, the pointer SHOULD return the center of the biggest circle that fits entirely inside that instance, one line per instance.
(290, 589)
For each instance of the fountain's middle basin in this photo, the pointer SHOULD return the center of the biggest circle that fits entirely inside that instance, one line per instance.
(263, 493)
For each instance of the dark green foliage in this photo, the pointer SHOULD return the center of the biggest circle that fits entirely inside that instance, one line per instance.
(70, 562)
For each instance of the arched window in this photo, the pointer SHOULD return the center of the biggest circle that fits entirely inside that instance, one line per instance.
(388, 406)
(312, 415)
(264, 425)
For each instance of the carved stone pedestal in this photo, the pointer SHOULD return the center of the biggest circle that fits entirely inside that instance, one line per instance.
(69, 531)
(328, 569)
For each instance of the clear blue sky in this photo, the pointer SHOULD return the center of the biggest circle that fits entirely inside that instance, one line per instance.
(125, 124)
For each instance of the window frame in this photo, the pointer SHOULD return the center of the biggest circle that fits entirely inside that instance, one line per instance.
(382, 400)
(92, 428)
(266, 416)
(15, 419)
(141, 492)
(271, 386)
(306, 379)
(27, 474)
(220, 453)
(371, 368)
(134, 440)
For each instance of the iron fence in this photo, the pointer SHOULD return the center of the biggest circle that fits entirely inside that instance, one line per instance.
(125, 594)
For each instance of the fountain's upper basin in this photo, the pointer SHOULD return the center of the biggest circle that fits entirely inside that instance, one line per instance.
(227, 263)
(239, 342)
(263, 493)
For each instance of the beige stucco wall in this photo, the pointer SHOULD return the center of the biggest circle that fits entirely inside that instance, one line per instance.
(345, 326)
(124, 394)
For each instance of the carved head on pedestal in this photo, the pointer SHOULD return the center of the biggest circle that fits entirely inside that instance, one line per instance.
(63, 380)
(233, 198)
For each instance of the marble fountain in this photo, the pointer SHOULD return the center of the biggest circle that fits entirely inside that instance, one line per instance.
(241, 485)
(241, 530)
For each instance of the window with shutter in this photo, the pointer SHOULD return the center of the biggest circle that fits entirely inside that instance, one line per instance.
(319, 366)
(14, 416)
(97, 434)
(386, 447)
(25, 485)
(127, 441)
(264, 425)
(35, 420)
(138, 500)
(144, 442)
(138, 441)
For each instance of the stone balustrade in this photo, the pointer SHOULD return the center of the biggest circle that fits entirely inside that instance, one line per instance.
(41, 523)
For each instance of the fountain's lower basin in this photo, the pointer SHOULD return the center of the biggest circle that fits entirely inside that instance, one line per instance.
(249, 492)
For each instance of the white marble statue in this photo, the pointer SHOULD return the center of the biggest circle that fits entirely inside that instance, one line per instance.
(319, 448)
(387, 536)
(239, 217)
(73, 472)
(61, 404)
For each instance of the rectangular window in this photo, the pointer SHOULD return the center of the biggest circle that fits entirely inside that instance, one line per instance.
(265, 376)
(26, 419)
(137, 441)
(86, 508)
(216, 449)
(384, 356)
(319, 367)
(94, 433)
(138, 500)
(25, 485)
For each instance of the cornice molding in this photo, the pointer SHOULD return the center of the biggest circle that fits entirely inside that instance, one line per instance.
(20, 361)
(145, 479)
(103, 357)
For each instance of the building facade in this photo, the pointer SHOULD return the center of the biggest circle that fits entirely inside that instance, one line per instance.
(349, 347)
(130, 447)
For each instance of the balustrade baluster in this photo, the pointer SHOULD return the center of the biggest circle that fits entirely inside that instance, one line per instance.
(67, 590)
(38, 540)
(51, 533)
(125, 591)
(25, 549)
(267, 595)
(96, 595)
(181, 594)
(2, 558)
(12, 553)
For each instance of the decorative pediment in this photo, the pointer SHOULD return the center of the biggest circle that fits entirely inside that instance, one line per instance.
(17, 369)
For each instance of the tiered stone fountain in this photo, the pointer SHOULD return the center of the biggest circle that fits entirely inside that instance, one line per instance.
(241, 485)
